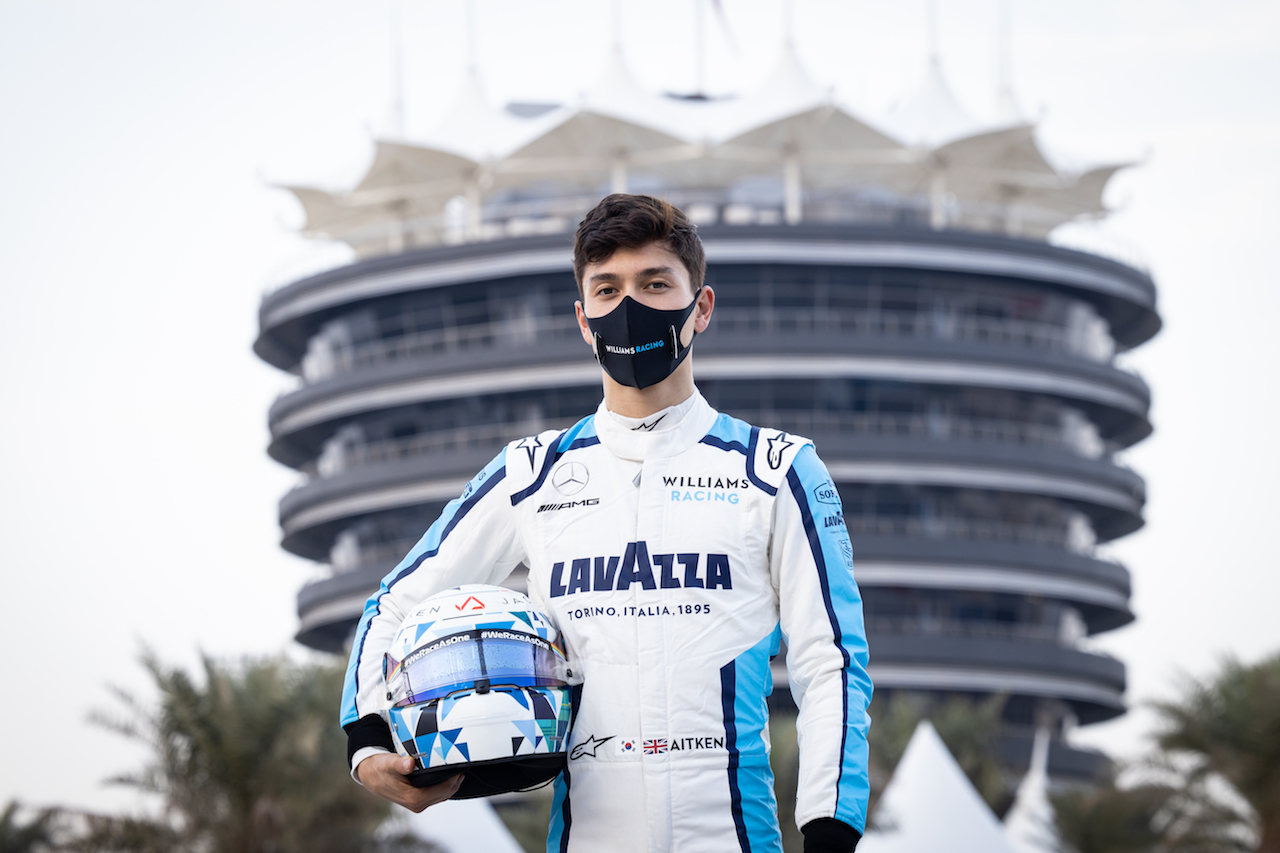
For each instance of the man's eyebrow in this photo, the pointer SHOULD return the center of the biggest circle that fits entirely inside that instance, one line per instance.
(645, 273)
(652, 271)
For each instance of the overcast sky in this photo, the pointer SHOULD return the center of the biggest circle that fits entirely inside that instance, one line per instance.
(138, 229)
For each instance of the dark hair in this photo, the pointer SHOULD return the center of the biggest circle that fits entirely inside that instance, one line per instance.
(624, 221)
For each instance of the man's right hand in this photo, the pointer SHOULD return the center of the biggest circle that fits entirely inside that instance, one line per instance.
(387, 775)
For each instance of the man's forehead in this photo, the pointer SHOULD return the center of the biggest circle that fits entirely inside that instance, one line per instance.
(647, 272)
(650, 259)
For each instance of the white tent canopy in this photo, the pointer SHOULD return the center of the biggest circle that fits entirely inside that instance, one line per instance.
(929, 806)
(461, 826)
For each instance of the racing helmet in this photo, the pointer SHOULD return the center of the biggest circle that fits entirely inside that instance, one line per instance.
(479, 683)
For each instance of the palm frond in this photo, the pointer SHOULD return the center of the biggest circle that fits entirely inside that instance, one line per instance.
(245, 757)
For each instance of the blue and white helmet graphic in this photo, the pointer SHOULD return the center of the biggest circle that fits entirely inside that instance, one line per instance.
(479, 683)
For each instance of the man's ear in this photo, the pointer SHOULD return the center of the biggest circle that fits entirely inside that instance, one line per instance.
(581, 314)
(706, 304)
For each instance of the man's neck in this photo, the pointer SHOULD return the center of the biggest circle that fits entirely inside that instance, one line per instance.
(641, 403)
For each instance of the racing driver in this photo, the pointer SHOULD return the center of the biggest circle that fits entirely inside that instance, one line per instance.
(675, 547)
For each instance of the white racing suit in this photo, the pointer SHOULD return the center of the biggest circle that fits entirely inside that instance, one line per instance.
(674, 553)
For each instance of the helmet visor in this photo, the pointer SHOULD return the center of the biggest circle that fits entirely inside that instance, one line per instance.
(457, 662)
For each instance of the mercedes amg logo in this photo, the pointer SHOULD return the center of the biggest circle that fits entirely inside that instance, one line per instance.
(570, 478)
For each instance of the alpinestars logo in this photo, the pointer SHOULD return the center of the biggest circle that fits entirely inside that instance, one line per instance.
(530, 446)
(644, 427)
(589, 747)
(777, 446)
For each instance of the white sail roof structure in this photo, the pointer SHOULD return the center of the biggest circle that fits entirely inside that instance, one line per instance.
(793, 126)
(1007, 154)
(472, 127)
(1081, 195)
(996, 175)
(993, 170)
(616, 92)
(324, 211)
(787, 91)
(930, 115)
(615, 126)
(786, 151)
(929, 806)
(408, 169)
(1029, 825)
(753, 134)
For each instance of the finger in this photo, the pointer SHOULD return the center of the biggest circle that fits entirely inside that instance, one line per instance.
(436, 793)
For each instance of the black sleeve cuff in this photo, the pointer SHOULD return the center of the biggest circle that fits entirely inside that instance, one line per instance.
(828, 835)
(369, 730)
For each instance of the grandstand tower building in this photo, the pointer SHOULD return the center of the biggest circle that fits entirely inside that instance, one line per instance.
(887, 290)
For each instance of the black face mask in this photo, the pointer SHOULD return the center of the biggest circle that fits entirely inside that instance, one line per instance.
(638, 345)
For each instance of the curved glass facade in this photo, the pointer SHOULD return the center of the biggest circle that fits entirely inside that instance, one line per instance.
(968, 408)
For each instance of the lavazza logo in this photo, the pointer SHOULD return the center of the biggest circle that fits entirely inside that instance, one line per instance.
(636, 566)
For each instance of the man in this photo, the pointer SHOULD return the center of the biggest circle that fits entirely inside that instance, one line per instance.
(675, 547)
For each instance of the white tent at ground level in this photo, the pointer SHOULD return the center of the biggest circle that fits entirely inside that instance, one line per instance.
(463, 826)
(930, 806)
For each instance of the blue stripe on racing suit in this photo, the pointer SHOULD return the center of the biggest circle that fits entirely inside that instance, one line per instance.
(832, 555)
(561, 815)
(745, 684)
(427, 546)
(732, 434)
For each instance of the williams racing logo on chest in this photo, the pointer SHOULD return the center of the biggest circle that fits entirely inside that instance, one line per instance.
(706, 488)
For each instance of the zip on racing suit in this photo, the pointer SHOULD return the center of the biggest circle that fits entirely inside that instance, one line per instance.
(674, 553)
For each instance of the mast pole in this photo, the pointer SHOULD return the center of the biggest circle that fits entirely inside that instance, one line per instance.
(700, 49)
(397, 72)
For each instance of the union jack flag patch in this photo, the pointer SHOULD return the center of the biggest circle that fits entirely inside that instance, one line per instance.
(655, 746)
